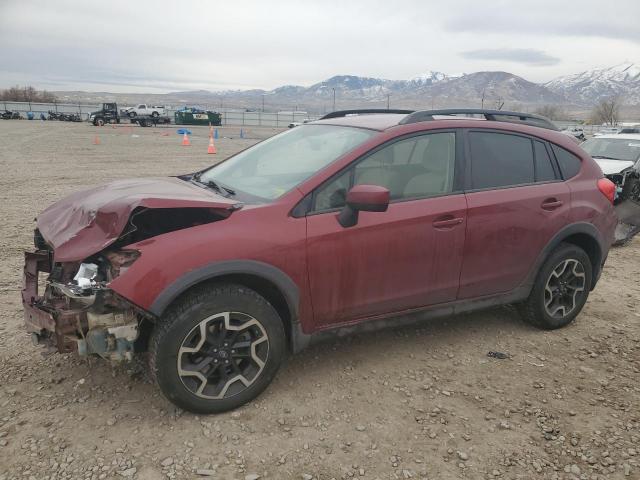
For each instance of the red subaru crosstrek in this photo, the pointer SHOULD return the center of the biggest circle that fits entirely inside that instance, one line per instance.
(359, 219)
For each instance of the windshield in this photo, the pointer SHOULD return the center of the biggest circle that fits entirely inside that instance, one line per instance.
(613, 148)
(271, 168)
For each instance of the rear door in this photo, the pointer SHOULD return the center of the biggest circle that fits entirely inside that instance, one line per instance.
(516, 203)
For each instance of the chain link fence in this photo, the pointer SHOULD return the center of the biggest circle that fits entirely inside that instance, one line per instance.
(229, 116)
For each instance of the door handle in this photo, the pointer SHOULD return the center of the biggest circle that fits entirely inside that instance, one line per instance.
(447, 222)
(551, 204)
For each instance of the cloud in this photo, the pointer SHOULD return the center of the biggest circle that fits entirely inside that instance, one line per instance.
(526, 56)
(122, 45)
(586, 19)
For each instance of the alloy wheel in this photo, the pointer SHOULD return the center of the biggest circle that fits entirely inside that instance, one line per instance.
(564, 287)
(223, 355)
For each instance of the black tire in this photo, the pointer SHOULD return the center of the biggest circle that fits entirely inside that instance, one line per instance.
(535, 310)
(132, 114)
(155, 114)
(179, 329)
(99, 122)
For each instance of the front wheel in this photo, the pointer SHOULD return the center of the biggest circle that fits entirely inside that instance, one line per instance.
(217, 348)
(561, 289)
(155, 114)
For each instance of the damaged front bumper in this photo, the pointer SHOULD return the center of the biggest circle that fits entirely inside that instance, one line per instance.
(627, 204)
(91, 321)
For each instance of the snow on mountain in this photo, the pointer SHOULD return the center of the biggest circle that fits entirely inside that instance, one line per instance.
(433, 88)
(592, 85)
(428, 78)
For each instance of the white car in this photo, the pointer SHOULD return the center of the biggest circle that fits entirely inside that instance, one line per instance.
(575, 132)
(144, 109)
(606, 131)
(618, 155)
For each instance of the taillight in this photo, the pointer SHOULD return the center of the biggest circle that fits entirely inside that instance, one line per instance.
(608, 188)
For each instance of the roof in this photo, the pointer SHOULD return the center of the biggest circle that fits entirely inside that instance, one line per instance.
(373, 121)
(379, 119)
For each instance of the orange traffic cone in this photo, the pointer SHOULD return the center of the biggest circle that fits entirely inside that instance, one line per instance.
(185, 140)
(96, 140)
(212, 147)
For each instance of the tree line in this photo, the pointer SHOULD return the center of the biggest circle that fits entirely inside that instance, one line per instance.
(605, 112)
(27, 94)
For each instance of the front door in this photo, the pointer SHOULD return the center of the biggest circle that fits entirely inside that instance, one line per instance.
(407, 257)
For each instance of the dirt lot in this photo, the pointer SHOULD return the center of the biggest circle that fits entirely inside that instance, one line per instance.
(420, 402)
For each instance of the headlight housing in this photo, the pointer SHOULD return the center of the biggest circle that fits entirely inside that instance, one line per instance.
(121, 260)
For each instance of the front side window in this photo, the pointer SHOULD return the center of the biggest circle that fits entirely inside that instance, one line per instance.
(270, 168)
(419, 166)
(500, 160)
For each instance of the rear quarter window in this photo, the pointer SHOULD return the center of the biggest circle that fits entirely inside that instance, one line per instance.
(569, 164)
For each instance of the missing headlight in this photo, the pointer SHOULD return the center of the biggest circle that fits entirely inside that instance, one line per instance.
(120, 260)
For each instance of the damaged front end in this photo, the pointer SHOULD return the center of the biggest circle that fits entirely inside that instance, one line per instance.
(627, 204)
(77, 311)
(87, 240)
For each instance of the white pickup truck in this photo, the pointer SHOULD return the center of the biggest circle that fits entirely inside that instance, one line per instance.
(144, 109)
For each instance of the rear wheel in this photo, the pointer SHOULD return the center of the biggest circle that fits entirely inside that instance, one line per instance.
(99, 122)
(217, 348)
(561, 289)
(132, 114)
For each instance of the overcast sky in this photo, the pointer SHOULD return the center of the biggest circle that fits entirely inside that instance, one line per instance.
(159, 46)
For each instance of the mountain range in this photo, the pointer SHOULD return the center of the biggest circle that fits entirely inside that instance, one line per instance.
(428, 90)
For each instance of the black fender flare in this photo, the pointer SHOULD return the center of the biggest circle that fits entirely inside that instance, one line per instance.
(564, 233)
(281, 280)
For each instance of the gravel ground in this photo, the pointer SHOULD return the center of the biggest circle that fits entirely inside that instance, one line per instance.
(418, 402)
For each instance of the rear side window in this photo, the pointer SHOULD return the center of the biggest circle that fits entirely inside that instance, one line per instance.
(500, 160)
(568, 162)
(544, 167)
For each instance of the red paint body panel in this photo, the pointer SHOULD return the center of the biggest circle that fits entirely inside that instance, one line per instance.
(390, 261)
(506, 231)
(263, 233)
(86, 222)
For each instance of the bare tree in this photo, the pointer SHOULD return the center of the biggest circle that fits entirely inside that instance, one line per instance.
(26, 94)
(553, 112)
(607, 111)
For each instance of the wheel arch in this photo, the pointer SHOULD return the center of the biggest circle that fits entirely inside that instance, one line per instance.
(582, 234)
(268, 281)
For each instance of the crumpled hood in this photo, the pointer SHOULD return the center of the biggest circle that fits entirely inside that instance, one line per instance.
(86, 222)
(609, 167)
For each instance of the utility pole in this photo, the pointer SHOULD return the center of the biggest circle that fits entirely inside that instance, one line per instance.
(388, 95)
(263, 103)
(334, 99)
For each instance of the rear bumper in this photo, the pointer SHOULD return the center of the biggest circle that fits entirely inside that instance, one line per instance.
(48, 325)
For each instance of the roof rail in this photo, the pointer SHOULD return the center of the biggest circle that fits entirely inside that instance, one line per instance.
(493, 115)
(344, 113)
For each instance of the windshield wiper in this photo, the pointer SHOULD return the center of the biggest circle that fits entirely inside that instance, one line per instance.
(218, 187)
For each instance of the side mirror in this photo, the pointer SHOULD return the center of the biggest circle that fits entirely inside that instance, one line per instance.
(366, 198)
